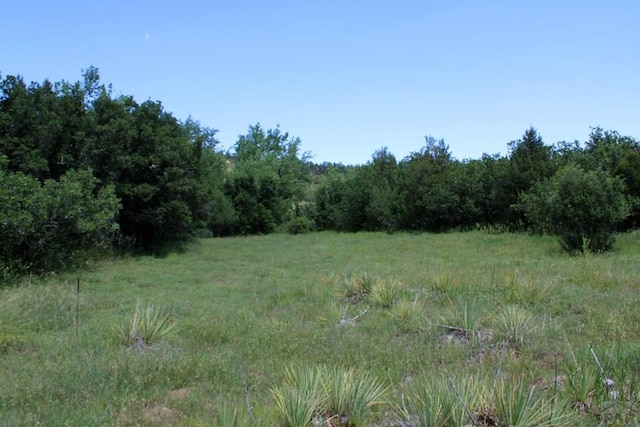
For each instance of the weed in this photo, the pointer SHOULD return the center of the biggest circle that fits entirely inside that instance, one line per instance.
(341, 315)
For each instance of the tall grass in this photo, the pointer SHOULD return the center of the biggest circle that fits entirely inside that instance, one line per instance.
(248, 308)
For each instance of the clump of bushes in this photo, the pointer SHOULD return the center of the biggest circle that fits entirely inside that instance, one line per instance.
(582, 207)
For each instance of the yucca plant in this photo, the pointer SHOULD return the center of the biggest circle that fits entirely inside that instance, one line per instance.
(331, 396)
(473, 395)
(582, 382)
(431, 403)
(356, 287)
(514, 325)
(350, 396)
(340, 314)
(408, 314)
(517, 405)
(299, 400)
(229, 417)
(147, 326)
(463, 321)
(385, 293)
(516, 289)
(445, 283)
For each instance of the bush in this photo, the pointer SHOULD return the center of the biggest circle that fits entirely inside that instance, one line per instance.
(300, 225)
(584, 208)
(46, 226)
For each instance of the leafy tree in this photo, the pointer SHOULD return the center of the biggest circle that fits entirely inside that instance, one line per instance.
(267, 179)
(578, 204)
(155, 164)
(629, 171)
(383, 210)
(530, 161)
(427, 197)
(328, 198)
(48, 225)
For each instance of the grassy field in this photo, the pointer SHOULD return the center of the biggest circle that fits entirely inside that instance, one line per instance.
(489, 324)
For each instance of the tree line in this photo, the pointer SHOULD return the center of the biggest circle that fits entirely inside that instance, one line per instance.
(83, 170)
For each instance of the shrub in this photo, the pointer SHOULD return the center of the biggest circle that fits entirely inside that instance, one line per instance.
(147, 327)
(45, 226)
(300, 225)
(577, 204)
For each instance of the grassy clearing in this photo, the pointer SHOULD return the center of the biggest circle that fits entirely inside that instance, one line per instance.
(471, 322)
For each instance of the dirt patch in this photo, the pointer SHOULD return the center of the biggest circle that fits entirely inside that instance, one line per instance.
(178, 394)
(154, 414)
(157, 414)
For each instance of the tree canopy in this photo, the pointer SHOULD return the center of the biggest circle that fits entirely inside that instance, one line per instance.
(83, 170)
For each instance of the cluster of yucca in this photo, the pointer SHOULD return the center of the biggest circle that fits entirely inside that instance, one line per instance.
(328, 396)
(387, 294)
(444, 401)
(513, 325)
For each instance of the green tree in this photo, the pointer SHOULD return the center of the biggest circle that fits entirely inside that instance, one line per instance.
(578, 204)
(629, 170)
(267, 180)
(427, 195)
(328, 199)
(49, 225)
(155, 163)
(530, 161)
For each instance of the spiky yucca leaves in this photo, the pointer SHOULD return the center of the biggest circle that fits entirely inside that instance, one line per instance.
(384, 293)
(431, 403)
(516, 404)
(335, 396)
(473, 394)
(582, 383)
(514, 325)
(517, 289)
(408, 314)
(445, 283)
(147, 326)
(463, 320)
(300, 398)
(356, 287)
(336, 314)
(351, 396)
(342, 314)
(229, 417)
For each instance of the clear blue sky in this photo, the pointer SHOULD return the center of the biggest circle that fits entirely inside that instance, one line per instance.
(349, 77)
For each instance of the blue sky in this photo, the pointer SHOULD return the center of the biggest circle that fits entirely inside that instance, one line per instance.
(349, 77)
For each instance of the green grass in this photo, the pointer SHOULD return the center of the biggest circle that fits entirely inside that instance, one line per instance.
(247, 309)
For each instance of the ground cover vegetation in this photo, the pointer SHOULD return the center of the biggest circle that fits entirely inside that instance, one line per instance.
(84, 170)
(116, 306)
(333, 329)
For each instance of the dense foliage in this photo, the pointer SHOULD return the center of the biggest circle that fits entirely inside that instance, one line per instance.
(83, 170)
(582, 207)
